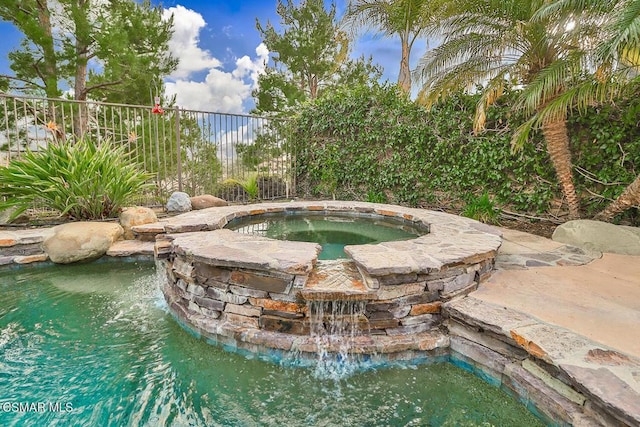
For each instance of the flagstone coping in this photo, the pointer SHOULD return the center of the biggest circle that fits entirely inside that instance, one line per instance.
(451, 239)
(603, 381)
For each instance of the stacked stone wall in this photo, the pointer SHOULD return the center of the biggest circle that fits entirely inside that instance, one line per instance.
(234, 298)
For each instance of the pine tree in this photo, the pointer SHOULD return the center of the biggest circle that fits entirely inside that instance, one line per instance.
(309, 54)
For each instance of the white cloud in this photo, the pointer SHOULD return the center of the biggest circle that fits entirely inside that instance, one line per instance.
(221, 90)
(184, 43)
(246, 66)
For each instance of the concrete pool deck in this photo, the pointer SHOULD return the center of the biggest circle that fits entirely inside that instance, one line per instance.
(599, 300)
(581, 320)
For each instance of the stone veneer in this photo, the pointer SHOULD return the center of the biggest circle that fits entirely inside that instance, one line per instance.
(248, 290)
(23, 247)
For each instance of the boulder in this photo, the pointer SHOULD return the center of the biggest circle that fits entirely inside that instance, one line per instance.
(179, 202)
(81, 241)
(136, 215)
(207, 201)
(599, 236)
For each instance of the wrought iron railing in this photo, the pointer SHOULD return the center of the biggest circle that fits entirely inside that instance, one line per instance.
(233, 156)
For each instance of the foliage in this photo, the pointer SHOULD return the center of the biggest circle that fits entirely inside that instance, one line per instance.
(66, 39)
(79, 179)
(482, 209)
(375, 144)
(264, 147)
(376, 197)
(249, 184)
(407, 19)
(498, 43)
(269, 187)
(606, 145)
(309, 55)
(609, 61)
(369, 143)
(204, 168)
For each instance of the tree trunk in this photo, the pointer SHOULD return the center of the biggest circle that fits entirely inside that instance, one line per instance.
(404, 77)
(80, 92)
(82, 46)
(557, 139)
(313, 86)
(50, 75)
(629, 197)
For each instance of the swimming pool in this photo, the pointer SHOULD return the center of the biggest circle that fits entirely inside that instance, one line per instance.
(96, 345)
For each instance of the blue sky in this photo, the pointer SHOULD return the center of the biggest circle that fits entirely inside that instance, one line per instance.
(220, 53)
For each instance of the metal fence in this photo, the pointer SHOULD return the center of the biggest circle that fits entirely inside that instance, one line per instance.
(236, 157)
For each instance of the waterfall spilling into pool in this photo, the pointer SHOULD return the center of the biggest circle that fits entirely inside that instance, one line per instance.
(334, 327)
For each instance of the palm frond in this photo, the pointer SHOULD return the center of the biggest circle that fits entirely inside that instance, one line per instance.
(566, 7)
(580, 96)
(492, 91)
(389, 18)
(521, 134)
(551, 81)
(624, 29)
(460, 76)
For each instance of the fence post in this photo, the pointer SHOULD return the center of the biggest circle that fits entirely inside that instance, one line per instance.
(178, 149)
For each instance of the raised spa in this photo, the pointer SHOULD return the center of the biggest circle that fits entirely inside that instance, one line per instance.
(333, 231)
(259, 293)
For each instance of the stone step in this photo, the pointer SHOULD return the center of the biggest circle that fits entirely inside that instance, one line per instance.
(336, 280)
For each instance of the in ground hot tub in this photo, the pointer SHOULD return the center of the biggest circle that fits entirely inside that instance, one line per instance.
(251, 291)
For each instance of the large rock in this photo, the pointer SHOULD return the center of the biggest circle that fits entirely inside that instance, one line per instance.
(207, 201)
(179, 202)
(137, 215)
(599, 236)
(81, 241)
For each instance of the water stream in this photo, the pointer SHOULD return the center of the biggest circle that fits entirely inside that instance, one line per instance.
(334, 327)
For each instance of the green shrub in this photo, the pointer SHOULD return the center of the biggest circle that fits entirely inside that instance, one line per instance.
(79, 179)
(362, 142)
(249, 184)
(482, 209)
(365, 141)
(606, 152)
(376, 197)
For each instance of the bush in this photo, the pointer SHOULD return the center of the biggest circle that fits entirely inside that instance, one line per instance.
(376, 144)
(482, 209)
(252, 187)
(79, 179)
(606, 152)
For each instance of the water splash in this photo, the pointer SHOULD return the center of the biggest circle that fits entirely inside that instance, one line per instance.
(335, 324)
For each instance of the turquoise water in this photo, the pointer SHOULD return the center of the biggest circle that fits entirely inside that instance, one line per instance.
(93, 345)
(333, 232)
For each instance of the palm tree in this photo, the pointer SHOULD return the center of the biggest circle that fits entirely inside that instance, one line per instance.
(614, 62)
(626, 42)
(408, 19)
(496, 43)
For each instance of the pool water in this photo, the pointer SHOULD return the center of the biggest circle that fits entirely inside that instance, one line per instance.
(93, 344)
(333, 232)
